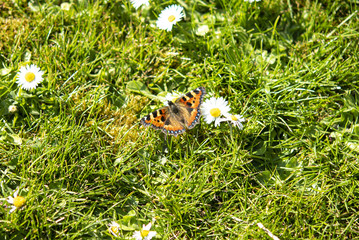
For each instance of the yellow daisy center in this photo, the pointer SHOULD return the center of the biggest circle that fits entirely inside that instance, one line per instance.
(144, 233)
(174, 99)
(234, 118)
(29, 76)
(114, 229)
(19, 201)
(215, 112)
(171, 18)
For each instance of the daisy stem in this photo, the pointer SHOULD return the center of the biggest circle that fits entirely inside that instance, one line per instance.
(231, 132)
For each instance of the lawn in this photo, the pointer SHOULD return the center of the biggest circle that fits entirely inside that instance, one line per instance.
(76, 156)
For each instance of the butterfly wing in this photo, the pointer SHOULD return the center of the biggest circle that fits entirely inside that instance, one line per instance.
(161, 119)
(187, 114)
(189, 106)
(173, 127)
(156, 119)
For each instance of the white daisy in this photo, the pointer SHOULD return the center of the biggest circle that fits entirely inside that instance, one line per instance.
(138, 3)
(29, 77)
(12, 108)
(145, 233)
(169, 17)
(250, 1)
(16, 201)
(114, 228)
(172, 97)
(236, 120)
(214, 108)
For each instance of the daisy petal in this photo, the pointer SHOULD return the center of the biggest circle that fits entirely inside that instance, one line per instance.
(13, 208)
(236, 120)
(138, 3)
(10, 200)
(169, 17)
(29, 77)
(214, 108)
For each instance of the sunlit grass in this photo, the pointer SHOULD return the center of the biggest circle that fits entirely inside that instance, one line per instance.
(75, 149)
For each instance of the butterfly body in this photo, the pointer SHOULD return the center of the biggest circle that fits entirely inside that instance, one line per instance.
(178, 116)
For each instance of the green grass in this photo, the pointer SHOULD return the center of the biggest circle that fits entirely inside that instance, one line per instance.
(291, 68)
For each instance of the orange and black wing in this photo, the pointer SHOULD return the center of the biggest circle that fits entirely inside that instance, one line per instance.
(156, 119)
(161, 120)
(192, 101)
